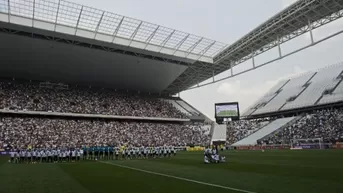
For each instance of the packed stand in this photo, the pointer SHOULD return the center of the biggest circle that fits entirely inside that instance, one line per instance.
(51, 133)
(19, 96)
(325, 124)
(237, 130)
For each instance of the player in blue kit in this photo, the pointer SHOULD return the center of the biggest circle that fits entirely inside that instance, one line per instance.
(107, 152)
(96, 152)
(91, 153)
(100, 152)
(104, 150)
(85, 153)
(111, 151)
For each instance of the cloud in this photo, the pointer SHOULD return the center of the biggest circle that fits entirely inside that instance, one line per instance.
(247, 95)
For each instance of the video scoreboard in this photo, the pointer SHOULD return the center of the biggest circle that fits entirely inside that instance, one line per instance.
(227, 110)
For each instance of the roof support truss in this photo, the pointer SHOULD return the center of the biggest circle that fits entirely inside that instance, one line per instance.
(98, 25)
(190, 50)
(135, 32)
(166, 40)
(78, 20)
(178, 45)
(151, 36)
(117, 29)
(300, 18)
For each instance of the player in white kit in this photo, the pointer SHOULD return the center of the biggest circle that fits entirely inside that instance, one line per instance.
(28, 156)
(44, 156)
(49, 155)
(133, 152)
(60, 155)
(34, 156)
(64, 155)
(78, 154)
(12, 153)
(39, 156)
(73, 155)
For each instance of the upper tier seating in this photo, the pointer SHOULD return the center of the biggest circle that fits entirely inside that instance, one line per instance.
(312, 88)
(32, 97)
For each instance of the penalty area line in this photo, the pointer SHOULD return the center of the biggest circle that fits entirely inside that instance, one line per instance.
(179, 178)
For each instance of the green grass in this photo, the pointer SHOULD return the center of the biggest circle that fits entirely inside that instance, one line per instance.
(275, 171)
(227, 113)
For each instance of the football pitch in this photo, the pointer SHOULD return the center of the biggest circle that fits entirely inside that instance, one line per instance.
(274, 171)
(227, 113)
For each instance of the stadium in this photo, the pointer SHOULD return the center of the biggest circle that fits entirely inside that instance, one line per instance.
(90, 103)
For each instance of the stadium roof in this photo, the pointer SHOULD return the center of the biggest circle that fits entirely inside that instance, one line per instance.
(299, 18)
(114, 28)
(293, 21)
(140, 55)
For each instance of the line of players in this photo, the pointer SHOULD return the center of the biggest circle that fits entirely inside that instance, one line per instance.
(115, 153)
(45, 155)
(89, 153)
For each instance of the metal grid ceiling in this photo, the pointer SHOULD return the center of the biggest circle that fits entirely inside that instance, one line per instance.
(87, 18)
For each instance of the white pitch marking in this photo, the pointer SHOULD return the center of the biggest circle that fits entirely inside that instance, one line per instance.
(179, 178)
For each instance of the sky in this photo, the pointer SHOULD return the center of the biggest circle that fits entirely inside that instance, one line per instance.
(227, 21)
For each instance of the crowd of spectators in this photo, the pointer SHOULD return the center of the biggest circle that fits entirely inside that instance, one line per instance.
(44, 132)
(325, 124)
(21, 96)
(20, 132)
(237, 130)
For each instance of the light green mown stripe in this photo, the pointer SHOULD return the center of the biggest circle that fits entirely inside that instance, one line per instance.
(105, 178)
(178, 178)
(314, 171)
(254, 175)
(36, 178)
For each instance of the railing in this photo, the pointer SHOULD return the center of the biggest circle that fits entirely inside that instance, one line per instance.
(89, 116)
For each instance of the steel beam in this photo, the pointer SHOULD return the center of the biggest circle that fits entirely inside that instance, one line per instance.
(279, 47)
(166, 40)
(78, 21)
(151, 37)
(231, 67)
(179, 44)
(298, 8)
(202, 52)
(9, 10)
(117, 29)
(133, 35)
(273, 60)
(58, 10)
(98, 25)
(311, 33)
(190, 50)
(292, 20)
(33, 12)
(213, 75)
(220, 50)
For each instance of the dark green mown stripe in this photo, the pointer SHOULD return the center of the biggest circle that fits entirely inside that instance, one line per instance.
(287, 171)
(104, 178)
(313, 171)
(36, 178)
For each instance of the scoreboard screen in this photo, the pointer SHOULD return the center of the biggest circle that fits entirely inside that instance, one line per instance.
(227, 110)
